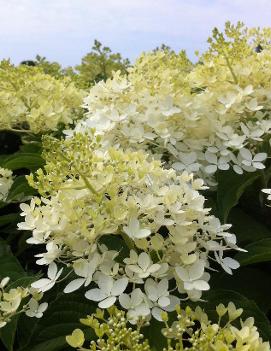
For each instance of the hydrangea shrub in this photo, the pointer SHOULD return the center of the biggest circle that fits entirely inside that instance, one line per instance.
(144, 197)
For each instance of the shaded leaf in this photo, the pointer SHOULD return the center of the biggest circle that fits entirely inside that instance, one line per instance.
(9, 218)
(61, 318)
(229, 190)
(247, 228)
(20, 160)
(240, 282)
(9, 267)
(258, 251)
(20, 189)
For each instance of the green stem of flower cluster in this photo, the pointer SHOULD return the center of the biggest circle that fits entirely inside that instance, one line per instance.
(230, 68)
(87, 183)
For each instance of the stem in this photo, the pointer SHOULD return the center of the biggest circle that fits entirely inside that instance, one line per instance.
(230, 68)
(87, 183)
(66, 276)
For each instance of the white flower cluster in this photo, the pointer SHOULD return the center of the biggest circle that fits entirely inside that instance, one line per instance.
(6, 182)
(94, 194)
(11, 299)
(213, 116)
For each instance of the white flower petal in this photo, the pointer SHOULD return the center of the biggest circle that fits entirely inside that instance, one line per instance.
(43, 307)
(260, 157)
(95, 294)
(108, 302)
(156, 312)
(119, 286)
(246, 154)
(52, 270)
(151, 290)
(41, 283)
(163, 301)
(210, 169)
(125, 301)
(74, 285)
(258, 165)
(144, 260)
(196, 270)
(237, 169)
(211, 157)
(105, 283)
(201, 285)
(182, 273)
(230, 262)
(174, 301)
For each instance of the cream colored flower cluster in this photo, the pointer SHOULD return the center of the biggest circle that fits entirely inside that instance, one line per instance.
(212, 116)
(6, 182)
(11, 300)
(114, 333)
(33, 101)
(192, 331)
(195, 331)
(91, 193)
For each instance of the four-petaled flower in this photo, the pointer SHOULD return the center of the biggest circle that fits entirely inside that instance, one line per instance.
(192, 276)
(144, 266)
(135, 304)
(108, 291)
(35, 309)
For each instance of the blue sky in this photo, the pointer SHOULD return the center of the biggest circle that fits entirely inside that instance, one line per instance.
(64, 30)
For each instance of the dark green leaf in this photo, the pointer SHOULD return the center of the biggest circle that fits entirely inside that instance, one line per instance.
(20, 160)
(61, 318)
(230, 188)
(33, 147)
(9, 218)
(20, 189)
(8, 333)
(9, 267)
(247, 228)
(258, 251)
(240, 282)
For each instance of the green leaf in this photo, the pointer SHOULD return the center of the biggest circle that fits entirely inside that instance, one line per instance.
(240, 282)
(32, 147)
(8, 333)
(20, 189)
(61, 318)
(230, 188)
(258, 251)
(20, 160)
(55, 344)
(9, 218)
(247, 228)
(215, 297)
(9, 265)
